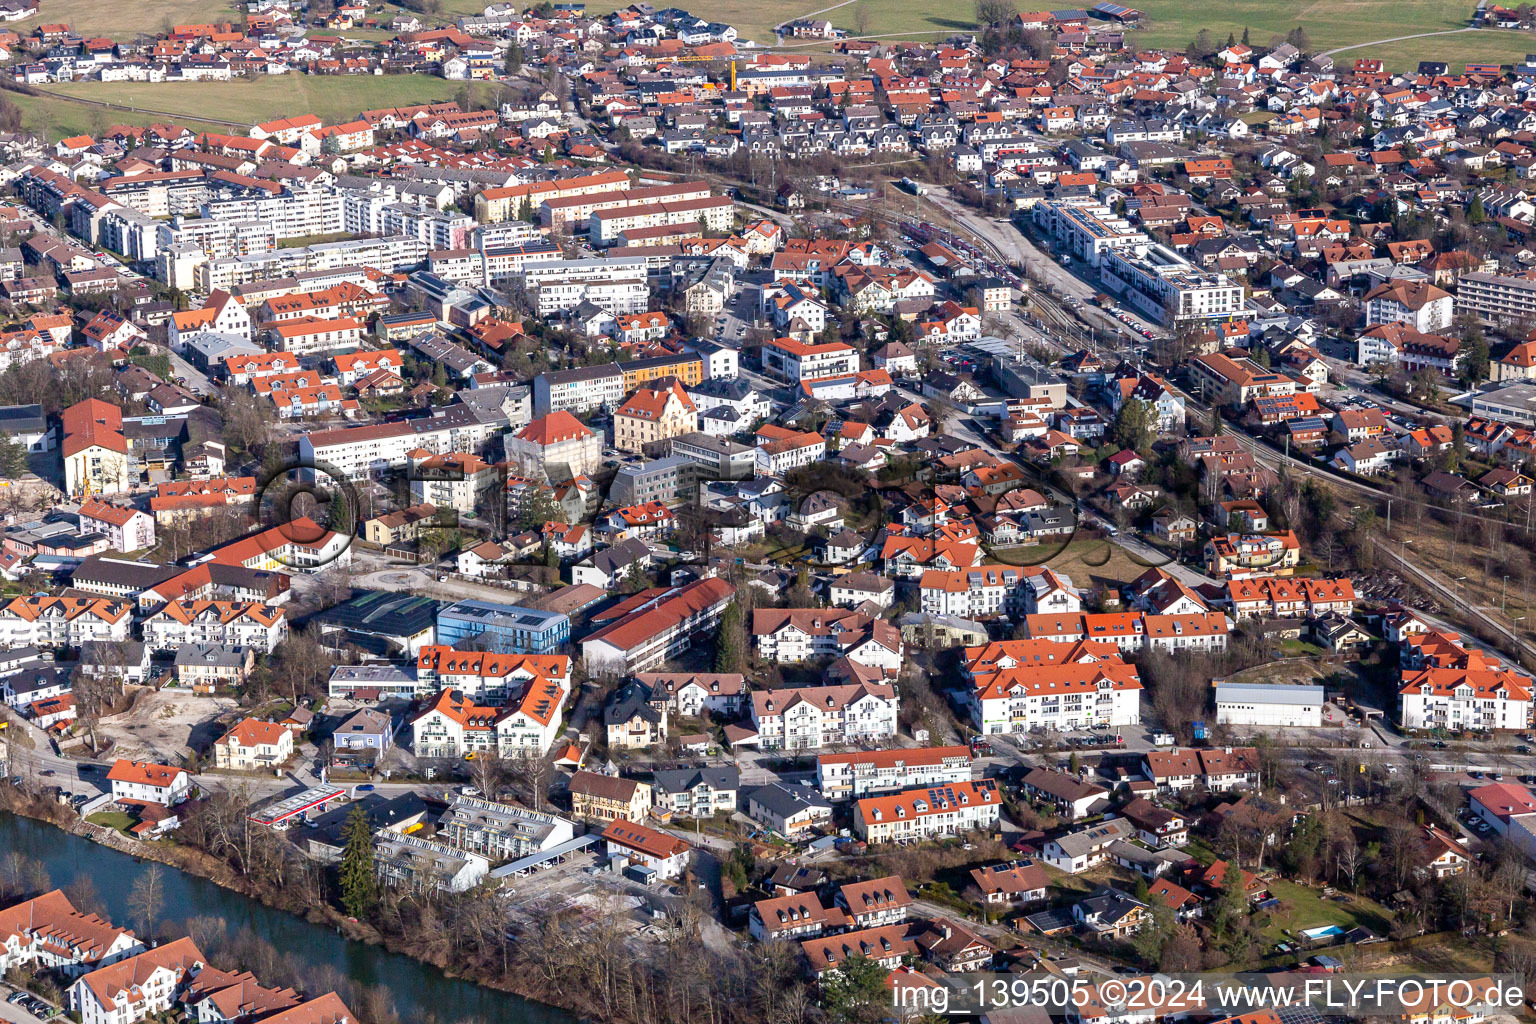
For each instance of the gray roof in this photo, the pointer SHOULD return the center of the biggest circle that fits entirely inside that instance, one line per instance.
(678, 780)
(1268, 693)
(787, 800)
(22, 419)
(219, 655)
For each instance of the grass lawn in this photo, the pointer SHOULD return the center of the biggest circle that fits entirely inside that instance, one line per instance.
(112, 819)
(332, 98)
(1328, 23)
(1310, 910)
(123, 20)
(1505, 46)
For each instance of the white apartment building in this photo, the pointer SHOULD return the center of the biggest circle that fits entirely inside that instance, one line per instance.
(982, 592)
(617, 285)
(306, 337)
(605, 226)
(358, 452)
(1089, 231)
(818, 716)
(927, 812)
(42, 621)
(136, 987)
(391, 253)
(873, 772)
(1478, 699)
(579, 390)
(295, 213)
(795, 361)
(231, 623)
(1497, 297)
(1166, 286)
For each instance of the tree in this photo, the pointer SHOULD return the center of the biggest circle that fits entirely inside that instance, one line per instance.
(856, 992)
(1245, 35)
(728, 651)
(1135, 425)
(861, 20)
(1075, 763)
(147, 898)
(994, 12)
(539, 506)
(514, 62)
(13, 458)
(1475, 369)
(359, 884)
(1475, 212)
(1203, 45)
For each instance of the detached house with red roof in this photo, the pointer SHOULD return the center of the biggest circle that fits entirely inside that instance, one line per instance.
(143, 782)
(253, 745)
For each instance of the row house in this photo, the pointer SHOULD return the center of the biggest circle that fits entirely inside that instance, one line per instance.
(1215, 769)
(927, 812)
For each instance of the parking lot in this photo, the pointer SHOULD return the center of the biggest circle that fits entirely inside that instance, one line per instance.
(25, 1008)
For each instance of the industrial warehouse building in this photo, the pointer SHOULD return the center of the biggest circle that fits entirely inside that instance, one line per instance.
(1269, 704)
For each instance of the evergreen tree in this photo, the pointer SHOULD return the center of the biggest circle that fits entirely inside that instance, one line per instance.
(1231, 40)
(1135, 427)
(856, 991)
(514, 59)
(728, 653)
(359, 884)
(340, 516)
(1245, 35)
(13, 458)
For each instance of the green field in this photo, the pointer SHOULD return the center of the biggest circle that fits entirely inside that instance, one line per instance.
(123, 19)
(332, 98)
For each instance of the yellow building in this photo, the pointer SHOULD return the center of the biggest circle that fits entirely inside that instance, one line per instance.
(606, 798)
(688, 369)
(650, 415)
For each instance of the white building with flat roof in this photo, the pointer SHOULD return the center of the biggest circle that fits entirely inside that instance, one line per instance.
(1277, 704)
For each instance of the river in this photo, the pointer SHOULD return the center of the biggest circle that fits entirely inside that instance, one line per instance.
(416, 988)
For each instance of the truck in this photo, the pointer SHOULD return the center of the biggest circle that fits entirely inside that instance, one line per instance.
(1162, 739)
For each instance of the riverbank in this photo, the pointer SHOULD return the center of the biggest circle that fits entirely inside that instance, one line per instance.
(498, 1002)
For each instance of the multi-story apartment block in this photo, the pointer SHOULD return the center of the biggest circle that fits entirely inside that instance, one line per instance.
(42, 621)
(874, 772)
(1482, 699)
(1035, 684)
(230, 623)
(927, 812)
(556, 447)
(796, 361)
(579, 390)
(484, 676)
(794, 635)
(136, 987)
(501, 831)
(818, 716)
